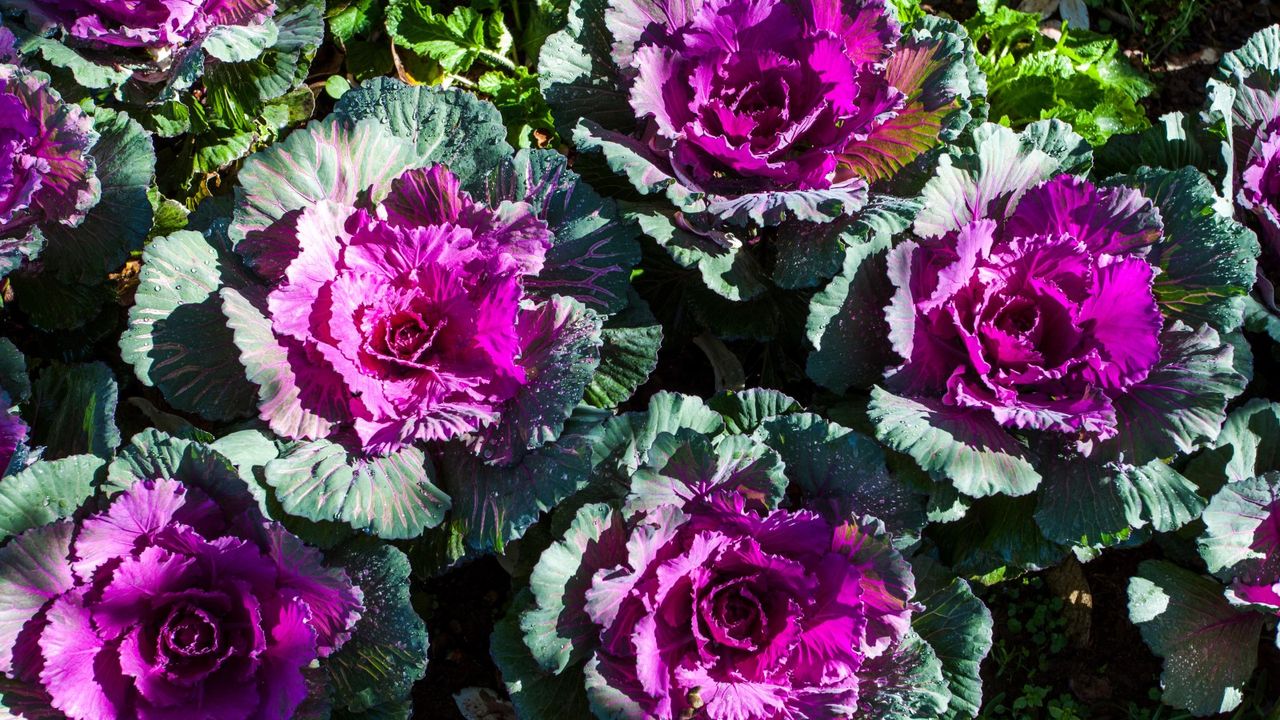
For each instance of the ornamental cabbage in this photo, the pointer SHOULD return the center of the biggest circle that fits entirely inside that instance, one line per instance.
(404, 323)
(1034, 333)
(1041, 319)
(697, 595)
(46, 171)
(731, 118)
(737, 614)
(1260, 182)
(753, 112)
(419, 309)
(171, 603)
(161, 26)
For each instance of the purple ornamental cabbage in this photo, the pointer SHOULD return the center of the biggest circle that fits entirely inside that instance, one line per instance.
(728, 613)
(1042, 319)
(745, 96)
(405, 322)
(160, 26)
(46, 172)
(167, 606)
(694, 596)
(758, 111)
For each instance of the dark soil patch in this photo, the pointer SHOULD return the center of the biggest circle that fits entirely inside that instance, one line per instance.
(461, 608)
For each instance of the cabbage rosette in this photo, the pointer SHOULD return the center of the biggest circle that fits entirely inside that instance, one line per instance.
(1043, 337)
(176, 596)
(752, 124)
(154, 49)
(47, 173)
(696, 590)
(73, 195)
(412, 308)
(226, 74)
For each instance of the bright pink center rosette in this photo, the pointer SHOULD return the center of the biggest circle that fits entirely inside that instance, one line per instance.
(752, 96)
(153, 24)
(169, 606)
(730, 613)
(1042, 319)
(404, 322)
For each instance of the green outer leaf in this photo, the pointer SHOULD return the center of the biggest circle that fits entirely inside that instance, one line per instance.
(326, 160)
(52, 304)
(1088, 502)
(997, 538)
(1247, 446)
(556, 628)
(1174, 141)
(178, 339)
(958, 627)
(909, 682)
(560, 355)
(988, 180)
(683, 467)
(967, 447)
(632, 339)
(1252, 72)
(594, 249)
(729, 272)
(13, 372)
(847, 324)
(536, 694)
(86, 73)
(1181, 404)
(117, 225)
(578, 76)
(387, 652)
(1231, 523)
(238, 43)
(745, 411)
(46, 491)
(450, 127)
(1208, 262)
(493, 505)
(393, 496)
(625, 440)
(153, 454)
(1209, 648)
(806, 256)
(73, 409)
(842, 474)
